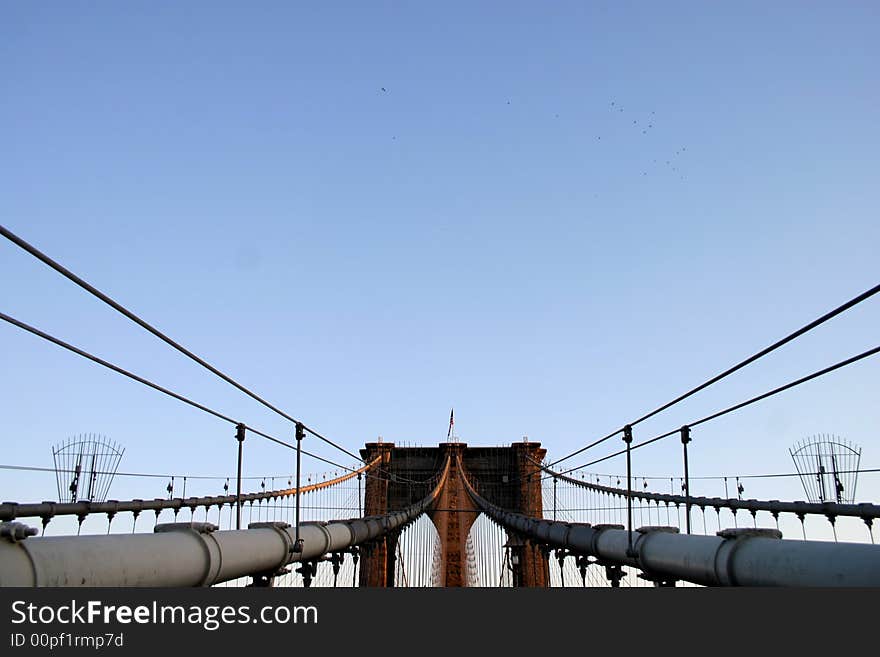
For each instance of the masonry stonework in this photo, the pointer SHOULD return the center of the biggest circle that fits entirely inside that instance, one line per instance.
(509, 477)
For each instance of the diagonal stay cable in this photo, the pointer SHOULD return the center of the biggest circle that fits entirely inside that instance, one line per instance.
(202, 407)
(18, 241)
(791, 336)
(150, 384)
(776, 345)
(736, 407)
(586, 447)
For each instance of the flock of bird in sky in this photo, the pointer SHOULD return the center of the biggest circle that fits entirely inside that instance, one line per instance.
(645, 127)
(670, 163)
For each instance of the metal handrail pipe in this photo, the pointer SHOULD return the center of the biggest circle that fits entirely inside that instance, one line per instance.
(47, 510)
(864, 510)
(738, 557)
(185, 554)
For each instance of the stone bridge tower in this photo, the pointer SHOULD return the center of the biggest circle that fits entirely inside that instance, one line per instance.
(508, 476)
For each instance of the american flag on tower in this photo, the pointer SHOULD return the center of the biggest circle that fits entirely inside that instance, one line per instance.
(451, 423)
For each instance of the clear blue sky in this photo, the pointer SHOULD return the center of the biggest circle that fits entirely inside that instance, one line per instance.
(554, 218)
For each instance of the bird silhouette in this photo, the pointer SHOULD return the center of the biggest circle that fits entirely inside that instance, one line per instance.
(383, 89)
